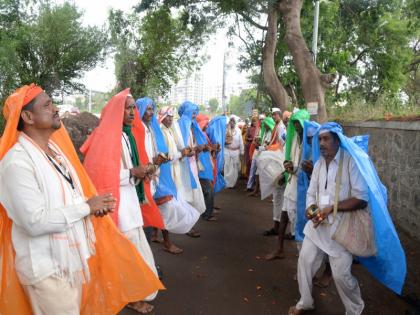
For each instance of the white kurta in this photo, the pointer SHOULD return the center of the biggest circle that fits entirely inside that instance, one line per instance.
(232, 158)
(130, 220)
(290, 192)
(270, 166)
(194, 196)
(323, 183)
(48, 216)
(318, 242)
(151, 152)
(178, 215)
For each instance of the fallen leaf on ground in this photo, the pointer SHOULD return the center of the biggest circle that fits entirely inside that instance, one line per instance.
(259, 287)
(257, 257)
(245, 299)
(322, 294)
(250, 270)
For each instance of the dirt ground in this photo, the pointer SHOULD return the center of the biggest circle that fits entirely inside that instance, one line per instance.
(224, 273)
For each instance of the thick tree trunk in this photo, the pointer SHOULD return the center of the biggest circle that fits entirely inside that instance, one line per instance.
(312, 81)
(275, 89)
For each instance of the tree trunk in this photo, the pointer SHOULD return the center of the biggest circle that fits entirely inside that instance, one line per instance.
(275, 89)
(312, 81)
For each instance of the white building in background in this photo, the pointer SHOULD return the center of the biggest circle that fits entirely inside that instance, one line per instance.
(188, 88)
(195, 89)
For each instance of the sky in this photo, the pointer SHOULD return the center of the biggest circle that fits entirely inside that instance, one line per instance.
(102, 78)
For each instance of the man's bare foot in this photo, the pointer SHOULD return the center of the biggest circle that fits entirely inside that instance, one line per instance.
(171, 248)
(294, 311)
(211, 218)
(141, 307)
(275, 255)
(193, 233)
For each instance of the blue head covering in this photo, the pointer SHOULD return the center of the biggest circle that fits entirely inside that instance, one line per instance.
(309, 129)
(166, 185)
(187, 123)
(216, 131)
(389, 264)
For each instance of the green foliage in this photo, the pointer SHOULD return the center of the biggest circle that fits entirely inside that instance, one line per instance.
(46, 44)
(373, 46)
(247, 100)
(152, 50)
(386, 106)
(214, 105)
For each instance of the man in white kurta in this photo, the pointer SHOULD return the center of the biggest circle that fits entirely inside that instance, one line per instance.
(52, 234)
(318, 242)
(233, 152)
(270, 167)
(183, 215)
(130, 220)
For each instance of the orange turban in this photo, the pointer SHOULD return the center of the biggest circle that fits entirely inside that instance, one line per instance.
(202, 120)
(118, 273)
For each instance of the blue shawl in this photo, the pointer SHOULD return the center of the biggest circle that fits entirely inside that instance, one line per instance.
(187, 123)
(389, 264)
(216, 132)
(166, 185)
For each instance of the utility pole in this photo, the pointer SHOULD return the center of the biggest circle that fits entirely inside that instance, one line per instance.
(224, 84)
(90, 102)
(315, 33)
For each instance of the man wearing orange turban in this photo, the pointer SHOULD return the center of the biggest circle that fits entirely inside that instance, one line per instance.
(58, 253)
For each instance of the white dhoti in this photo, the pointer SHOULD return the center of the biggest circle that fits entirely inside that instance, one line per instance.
(53, 296)
(289, 206)
(310, 260)
(270, 166)
(138, 238)
(231, 167)
(278, 193)
(179, 216)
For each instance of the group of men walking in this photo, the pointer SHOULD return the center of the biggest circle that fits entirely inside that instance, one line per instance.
(75, 238)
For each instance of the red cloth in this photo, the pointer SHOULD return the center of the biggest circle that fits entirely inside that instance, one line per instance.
(103, 152)
(202, 120)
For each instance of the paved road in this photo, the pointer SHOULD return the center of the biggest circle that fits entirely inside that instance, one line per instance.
(224, 273)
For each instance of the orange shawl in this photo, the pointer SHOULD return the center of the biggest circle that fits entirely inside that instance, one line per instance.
(118, 273)
(102, 152)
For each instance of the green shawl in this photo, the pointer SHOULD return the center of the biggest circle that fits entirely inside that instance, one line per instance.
(299, 116)
(267, 124)
(134, 160)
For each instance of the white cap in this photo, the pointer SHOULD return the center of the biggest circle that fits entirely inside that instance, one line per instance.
(275, 110)
(322, 131)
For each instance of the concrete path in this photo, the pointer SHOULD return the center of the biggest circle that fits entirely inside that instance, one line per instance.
(224, 272)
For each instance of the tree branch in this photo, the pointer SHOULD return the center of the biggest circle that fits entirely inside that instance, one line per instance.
(252, 22)
(238, 34)
(361, 54)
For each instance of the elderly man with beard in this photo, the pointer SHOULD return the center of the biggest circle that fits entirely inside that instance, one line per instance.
(179, 217)
(234, 149)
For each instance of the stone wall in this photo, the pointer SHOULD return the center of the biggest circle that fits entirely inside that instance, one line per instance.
(395, 150)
